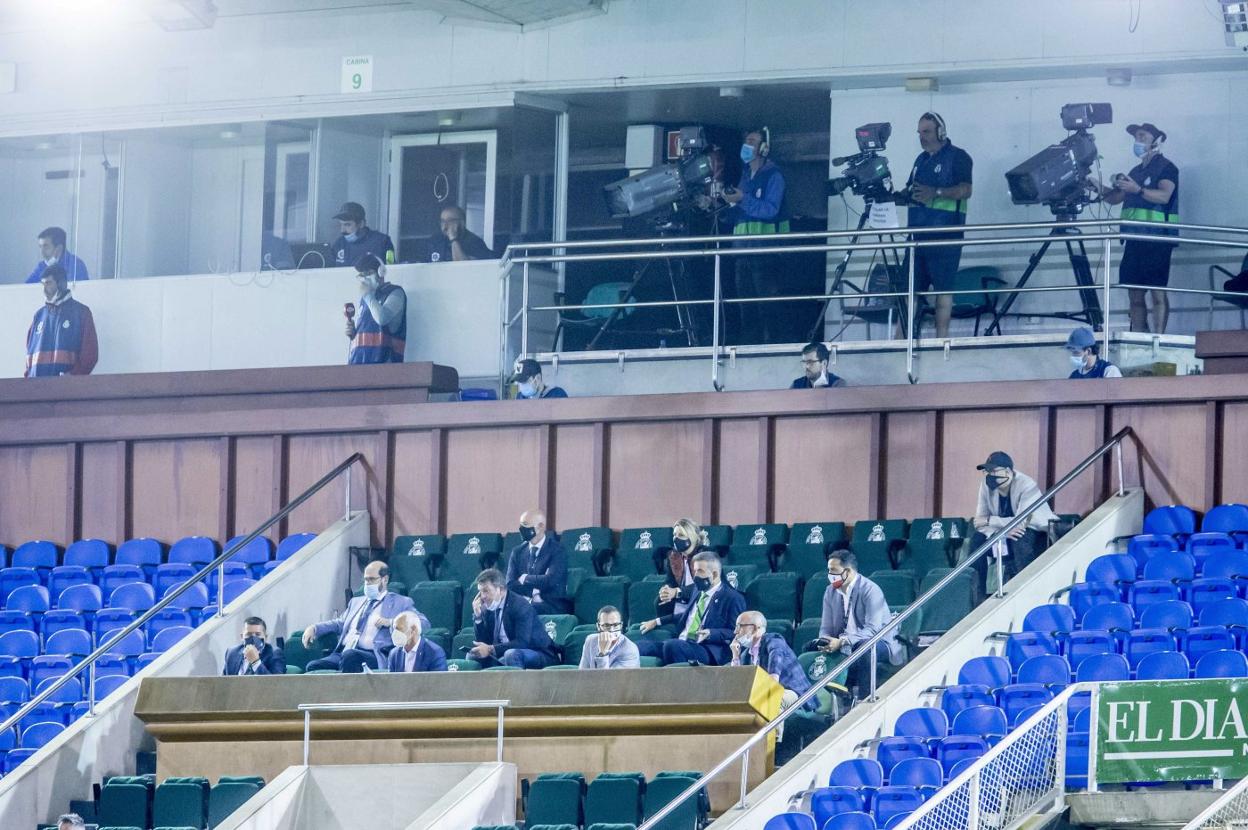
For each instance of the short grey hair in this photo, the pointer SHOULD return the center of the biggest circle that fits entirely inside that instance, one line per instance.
(756, 619)
(711, 558)
(74, 820)
(413, 620)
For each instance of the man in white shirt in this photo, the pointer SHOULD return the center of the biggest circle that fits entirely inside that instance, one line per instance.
(364, 628)
(412, 652)
(854, 611)
(609, 648)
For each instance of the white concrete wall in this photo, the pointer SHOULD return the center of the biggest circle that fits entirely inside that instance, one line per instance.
(308, 587)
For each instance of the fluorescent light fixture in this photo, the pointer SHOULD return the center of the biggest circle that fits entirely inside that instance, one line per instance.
(732, 92)
(448, 119)
(1118, 76)
(1235, 24)
(229, 132)
(182, 15)
(922, 85)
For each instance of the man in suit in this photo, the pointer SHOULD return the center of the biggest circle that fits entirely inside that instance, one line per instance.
(411, 651)
(364, 628)
(854, 611)
(538, 567)
(706, 626)
(507, 629)
(753, 646)
(609, 648)
(253, 655)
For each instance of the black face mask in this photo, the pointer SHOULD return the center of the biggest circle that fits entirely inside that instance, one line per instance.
(253, 640)
(702, 583)
(996, 481)
(681, 545)
(527, 533)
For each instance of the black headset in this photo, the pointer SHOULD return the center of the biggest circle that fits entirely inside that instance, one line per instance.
(941, 132)
(764, 146)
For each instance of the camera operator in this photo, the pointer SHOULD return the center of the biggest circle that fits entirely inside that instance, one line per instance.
(1149, 194)
(759, 204)
(939, 185)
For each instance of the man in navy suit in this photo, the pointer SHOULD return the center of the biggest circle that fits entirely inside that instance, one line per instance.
(706, 626)
(538, 567)
(411, 651)
(507, 629)
(253, 655)
(364, 628)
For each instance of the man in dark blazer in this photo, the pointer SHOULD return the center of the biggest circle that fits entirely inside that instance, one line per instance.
(364, 628)
(507, 629)
(753, 646)
(411, 651)
(538, 567)
(254, 655)
(705, 629)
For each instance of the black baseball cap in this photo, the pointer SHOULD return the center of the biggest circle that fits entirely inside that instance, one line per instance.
(997, 459)
(1160, 135)
(526, 369)
(350, 212)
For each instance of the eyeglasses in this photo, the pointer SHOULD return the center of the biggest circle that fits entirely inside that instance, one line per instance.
(610, 626)
(835, 574)
(746, 625)
(373, 580)
(811, 362)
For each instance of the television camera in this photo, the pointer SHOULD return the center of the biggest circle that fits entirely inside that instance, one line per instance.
(1057, 175)
(664, 189)
(866, 173)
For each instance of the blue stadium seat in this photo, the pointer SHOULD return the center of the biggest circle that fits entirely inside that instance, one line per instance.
(167, 638)
(1078, 744)
(1147, 592)
(1164, 665)
(269, 567)
(991, 671)
(168, 618)
(111, 664)
(1104, 631)
(1103, 667)
(114, 576)
(957, 748)
(34, 737)
(60, 619)
(74, 642)
(826, 802)
(892, 750)
(14, 689)
(64, 576)
(47, 666)
(145, 553)
(923, 774)
(109, 683)
(1207, 547)
(1225, 518)
(1053, 619)
(956, 698)
(130, 646)
(894, 800)
(1145, 641)
(857, 772)
(793, 821)
(1210, 589)
(108, 620)
(851, 821)
(17, 648)
(1203, 639)
(16, 621)
(289, 546)
(137, 596)
(922, 722)
(1147, 545)
(1052, 671)
(1232, 565)
(233, 571)
(1232, 613)
(15, 757)
(171, 574)
(40, 555)
(1222, 664)
(30, 598)
(193, 599)
(1173, 519)
(43, 713)
(13, 578)
(235, 588)
(1023, 645)
(1016, 697)
(1087, 595)
(986, 721)
(1116, 569)
(195, 550)
(1179, 568)
(253, 556)
(144, 660)
(92, 554)
(83, 598)
(70, 692)
(1173, 615)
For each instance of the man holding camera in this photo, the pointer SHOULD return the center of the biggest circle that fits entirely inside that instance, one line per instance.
(939, 185)
(1149, 194)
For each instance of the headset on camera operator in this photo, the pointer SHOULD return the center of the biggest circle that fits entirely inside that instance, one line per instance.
(1148, 194)
(938, 188)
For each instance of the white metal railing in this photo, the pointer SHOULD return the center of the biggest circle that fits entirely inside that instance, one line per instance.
(1104, 231)
(393, 706)
(1229, 811)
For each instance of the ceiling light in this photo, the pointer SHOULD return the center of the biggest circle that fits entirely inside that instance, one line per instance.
(448, 119)
(732, 92)
(182, 15)
(1120, 76)
(231, 131)
(922, 85)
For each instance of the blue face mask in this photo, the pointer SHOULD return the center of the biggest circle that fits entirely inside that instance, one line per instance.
(747, 153)
(352, 237)
(1139, 148)
(526, 389)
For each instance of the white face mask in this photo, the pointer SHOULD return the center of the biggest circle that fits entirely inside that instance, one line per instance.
(372, 592)
(745, 640)
(399, 638)
(50, 261)
(526, 389)
(1076, 361)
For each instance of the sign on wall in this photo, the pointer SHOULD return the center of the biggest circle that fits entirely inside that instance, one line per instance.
(357, 74)
(1186, 730)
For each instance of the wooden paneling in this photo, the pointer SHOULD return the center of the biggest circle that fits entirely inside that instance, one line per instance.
(575, 480)
(910, 443)
(739, 485)
(1234, 478)
(176, 488)
(492, 476)
(655, 473)
(412, 497)
(309, 457)
(100, 473)
(1171, 457)
(821, 468)
(253, 484)
(1074, 437)
(968, 438)
(33, 483)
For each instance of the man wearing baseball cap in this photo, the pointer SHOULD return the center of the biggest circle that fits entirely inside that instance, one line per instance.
(530, 384)
(1149, 194)
(1085, 357)
(1003, 494)
(358, 239)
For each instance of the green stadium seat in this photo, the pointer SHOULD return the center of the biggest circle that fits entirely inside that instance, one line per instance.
(817, 664)
(467, 554)
(428, 544)
(298, 657)
(807, 630)
(558, 626)
(812, 595)
(555, 798)
(784, 628)
(635, 556)
(664, 788)
(396, 586)
(643, 598)
(590, 548)
(656, 635)
(465, 607)
(808, 546)
(934, 543)
(651, 662)
(947, 608)
(717, 537)
(456, 664)
(440, 602)
(461, 642)
(898, 586)
(761, 535)
(615, 798)
(597, 591)
(441, 636)
(740, 576)
(574, 642)
(757, 556)
(877, 543)
(181, 802)
(126, 801)
(775, 595)
(412, 570)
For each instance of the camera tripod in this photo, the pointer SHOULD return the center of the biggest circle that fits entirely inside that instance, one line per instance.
(816, 331)
(675, 278)
(1078, 256)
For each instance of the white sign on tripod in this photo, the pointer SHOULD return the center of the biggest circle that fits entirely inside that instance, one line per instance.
(883, 216)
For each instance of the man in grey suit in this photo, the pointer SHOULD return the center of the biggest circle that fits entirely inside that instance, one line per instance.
(609, 648)
(854, 611)
(364, 628)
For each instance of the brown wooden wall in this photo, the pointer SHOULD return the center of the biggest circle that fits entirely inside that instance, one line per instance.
(725, 458)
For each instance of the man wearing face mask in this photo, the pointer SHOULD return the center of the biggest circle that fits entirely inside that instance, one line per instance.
(1149, 194)
(854, 611)
(61, 339)
(1085, 359)
(760, 209)
(538, 567)
(364, 628)
(816, 375)
(254, 655)
(609, 648)
(530, 385)
(357, 238)
(378, 332)
(753, 646)
(506, 627)
(1003, 494)
(411, 651)
(52, 252)
(705, 629)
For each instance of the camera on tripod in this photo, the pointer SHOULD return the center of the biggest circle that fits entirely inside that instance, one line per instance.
(664, 189)
(1057, 175)
(866, 172)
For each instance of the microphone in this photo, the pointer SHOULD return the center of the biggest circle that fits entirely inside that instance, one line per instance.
(348, 310)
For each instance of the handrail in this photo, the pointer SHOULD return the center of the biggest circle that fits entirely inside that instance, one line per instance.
(89, 661)
(1230, 807)
(868, 646)
(391, 706)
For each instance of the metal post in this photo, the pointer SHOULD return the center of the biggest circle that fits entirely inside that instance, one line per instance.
(1105, 328)
(220, 589)
(874, 665)
(1093, 727)
(716, 294)
(745, 772)
(1118, 461)
(1000, 557)
(499, 749)
(91, 692)
(307, 734)
(1059, 754)
(524, 313)
(347, 516)
(909, 318)
(972, 803)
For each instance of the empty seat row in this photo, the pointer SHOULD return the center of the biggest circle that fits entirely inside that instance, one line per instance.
(136, 596)
(137, 801)
(621, 798)
(96, 554)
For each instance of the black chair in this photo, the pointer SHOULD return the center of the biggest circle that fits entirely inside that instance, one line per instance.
(1241, 302)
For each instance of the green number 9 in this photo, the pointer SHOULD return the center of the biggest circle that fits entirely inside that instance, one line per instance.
(357, 81)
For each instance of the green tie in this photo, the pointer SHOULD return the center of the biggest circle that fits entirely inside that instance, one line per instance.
(695, 623)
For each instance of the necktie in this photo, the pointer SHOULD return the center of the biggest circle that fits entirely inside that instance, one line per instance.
(695, 622)
(362, 620)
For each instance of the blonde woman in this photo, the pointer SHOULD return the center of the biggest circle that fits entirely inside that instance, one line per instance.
(678, 588)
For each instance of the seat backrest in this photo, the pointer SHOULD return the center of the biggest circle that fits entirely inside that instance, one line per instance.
(114, 576)
(1170, 519)
(1231, 612)
(19, 643)
(1222, 663)
(1085, 596)
(1225, 518)
(14, 689)
(1047, 668)
(1103, 667)
(32, 598)
(989, 670)
(977, 720)
(256, 552)
(196, 596)
(1175, 615)
(82, 598)
(1110, 616)
(198, 550)
(428, 544)
(879, 530)
(817, 533)
(850, 821)
(923, 722)
(290, 545)
(857, 772)
(89, 553)
(1175, 566)
(35, 736)
(180, 802)
(74, 641)
(167, 638)
(614, 798)
(763, 535)
(598, 591)
(137, 596)
(926, 772)
(555, 801)
(143, 551)
(1050, 619)
(37, 554)
(1111, 569)
(1160, 665)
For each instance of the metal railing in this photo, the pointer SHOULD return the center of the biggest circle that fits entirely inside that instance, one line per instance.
(524, 255)
(88, 663)
(387, 706)
(1230, 810)
(867, 647)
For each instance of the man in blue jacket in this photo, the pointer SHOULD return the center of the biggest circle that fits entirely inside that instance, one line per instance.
(411, 651)
(52, 252)
(254, 655)
(506, 628)
(753, 646)
(364, 628)
(357, 238)
(706, 626)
